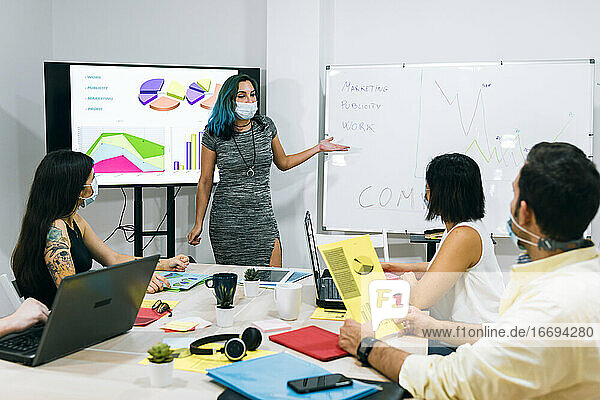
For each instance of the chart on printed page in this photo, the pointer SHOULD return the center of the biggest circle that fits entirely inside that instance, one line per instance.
(143, 125)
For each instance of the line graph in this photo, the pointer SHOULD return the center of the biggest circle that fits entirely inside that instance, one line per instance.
(503, 148)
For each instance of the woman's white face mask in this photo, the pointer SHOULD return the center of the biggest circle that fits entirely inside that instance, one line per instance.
(245, 110)
(89, 200)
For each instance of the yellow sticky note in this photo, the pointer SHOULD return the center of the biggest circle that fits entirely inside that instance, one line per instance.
(200, 363)
(332, 315)
(354, 264)
(148, 303)
(180, 326)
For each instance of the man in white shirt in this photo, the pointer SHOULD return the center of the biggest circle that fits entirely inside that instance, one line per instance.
(556, 196)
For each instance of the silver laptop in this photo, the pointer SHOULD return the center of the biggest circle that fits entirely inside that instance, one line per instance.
(88, 308)
(327, 293)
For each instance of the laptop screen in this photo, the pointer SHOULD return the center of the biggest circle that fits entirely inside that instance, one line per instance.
(312, 248)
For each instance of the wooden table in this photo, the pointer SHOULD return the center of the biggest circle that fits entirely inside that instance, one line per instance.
(110, 370)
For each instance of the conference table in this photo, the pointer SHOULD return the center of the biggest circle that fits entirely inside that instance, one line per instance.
(110, 370)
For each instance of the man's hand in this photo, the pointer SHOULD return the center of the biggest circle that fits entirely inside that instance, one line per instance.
(28, 314)
(351, 333)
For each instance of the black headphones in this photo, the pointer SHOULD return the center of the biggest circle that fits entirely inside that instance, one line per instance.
(235, 346)
(551, 244)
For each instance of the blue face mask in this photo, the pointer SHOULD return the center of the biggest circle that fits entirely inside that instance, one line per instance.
(89, 200)
(516, 239)
(425, 198)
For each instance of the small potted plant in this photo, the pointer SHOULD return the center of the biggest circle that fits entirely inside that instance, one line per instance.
(225, 310)
(161, 365)
(251, 282)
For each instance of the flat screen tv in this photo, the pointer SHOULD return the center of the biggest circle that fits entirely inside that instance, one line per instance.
(142, 124)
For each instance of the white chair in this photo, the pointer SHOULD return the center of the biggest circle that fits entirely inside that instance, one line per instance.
(9, 298)
(379, 240)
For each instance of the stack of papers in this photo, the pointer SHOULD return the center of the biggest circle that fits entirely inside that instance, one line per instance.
(331, 315)
(272, 325)
(146, 315)
(183, 280)
(186, 324)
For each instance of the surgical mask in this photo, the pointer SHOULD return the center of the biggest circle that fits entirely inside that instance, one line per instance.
(245, 110)
(426, 201)
(513, 236)
(89, 200)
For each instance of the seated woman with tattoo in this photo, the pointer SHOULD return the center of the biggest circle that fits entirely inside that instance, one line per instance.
(55, 241)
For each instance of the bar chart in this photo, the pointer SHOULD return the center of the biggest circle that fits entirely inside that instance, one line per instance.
(186, 152)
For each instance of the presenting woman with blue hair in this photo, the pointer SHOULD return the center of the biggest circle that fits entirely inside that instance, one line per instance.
(243, 144)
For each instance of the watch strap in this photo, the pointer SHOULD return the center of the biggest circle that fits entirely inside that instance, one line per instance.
(364, 349)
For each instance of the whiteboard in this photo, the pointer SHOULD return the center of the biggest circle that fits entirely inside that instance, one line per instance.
(396, 118)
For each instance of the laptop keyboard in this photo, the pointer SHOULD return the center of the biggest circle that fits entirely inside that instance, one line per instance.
(329, 289)
(24, 343)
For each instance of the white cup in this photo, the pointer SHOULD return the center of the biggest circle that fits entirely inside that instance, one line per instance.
(288, 297)
(224, 316)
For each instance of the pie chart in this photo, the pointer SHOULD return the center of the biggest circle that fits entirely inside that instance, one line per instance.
(151, 94)
(154, 95)
(362, 265)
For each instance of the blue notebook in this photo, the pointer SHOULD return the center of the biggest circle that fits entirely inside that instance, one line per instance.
(183, 280)
(266, 378)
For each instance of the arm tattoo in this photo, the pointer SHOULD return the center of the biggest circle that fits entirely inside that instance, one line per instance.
(57, 255)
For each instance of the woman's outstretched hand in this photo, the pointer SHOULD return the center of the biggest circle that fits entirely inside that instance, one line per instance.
(328, 145)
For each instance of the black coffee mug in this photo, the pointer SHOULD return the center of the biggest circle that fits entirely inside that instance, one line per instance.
(224, 284)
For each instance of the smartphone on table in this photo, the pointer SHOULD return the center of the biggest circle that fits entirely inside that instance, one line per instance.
(316, 383)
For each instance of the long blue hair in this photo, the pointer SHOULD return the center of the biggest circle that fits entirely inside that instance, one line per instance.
(220, 123)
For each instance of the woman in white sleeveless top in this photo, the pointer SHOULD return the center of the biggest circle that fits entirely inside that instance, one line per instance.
(463, 282)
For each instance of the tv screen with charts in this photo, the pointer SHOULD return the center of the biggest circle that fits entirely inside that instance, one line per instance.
(142, 124)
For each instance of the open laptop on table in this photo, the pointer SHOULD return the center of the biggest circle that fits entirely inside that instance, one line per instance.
(88, 308)
(327, 293)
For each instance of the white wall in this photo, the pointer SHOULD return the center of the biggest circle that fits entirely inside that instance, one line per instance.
(226, 33)
(393, 31)
(291, 40)
(25, 28)
(292, 102)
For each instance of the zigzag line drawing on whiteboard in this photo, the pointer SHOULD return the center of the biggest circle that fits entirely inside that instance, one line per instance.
(507, 155)
(456, 97)
(494, 153)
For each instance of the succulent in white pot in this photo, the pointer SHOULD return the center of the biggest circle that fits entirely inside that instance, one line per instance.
(251, 282)
(161, 365)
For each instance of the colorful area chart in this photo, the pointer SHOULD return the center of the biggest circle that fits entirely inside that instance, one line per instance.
(152, 96)
(125, 153)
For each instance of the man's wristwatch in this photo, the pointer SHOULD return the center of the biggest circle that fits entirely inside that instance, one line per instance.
(364, 349)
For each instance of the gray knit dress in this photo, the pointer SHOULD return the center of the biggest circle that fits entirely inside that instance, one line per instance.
(242, 226)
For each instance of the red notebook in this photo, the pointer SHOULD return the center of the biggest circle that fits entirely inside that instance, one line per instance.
(312, 341)
(146, 316)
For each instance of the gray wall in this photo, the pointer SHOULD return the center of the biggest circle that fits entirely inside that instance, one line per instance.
(26, 31)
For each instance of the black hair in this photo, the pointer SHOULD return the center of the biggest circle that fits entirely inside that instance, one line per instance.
(562, 188)
(54, 194)
(455, 189)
